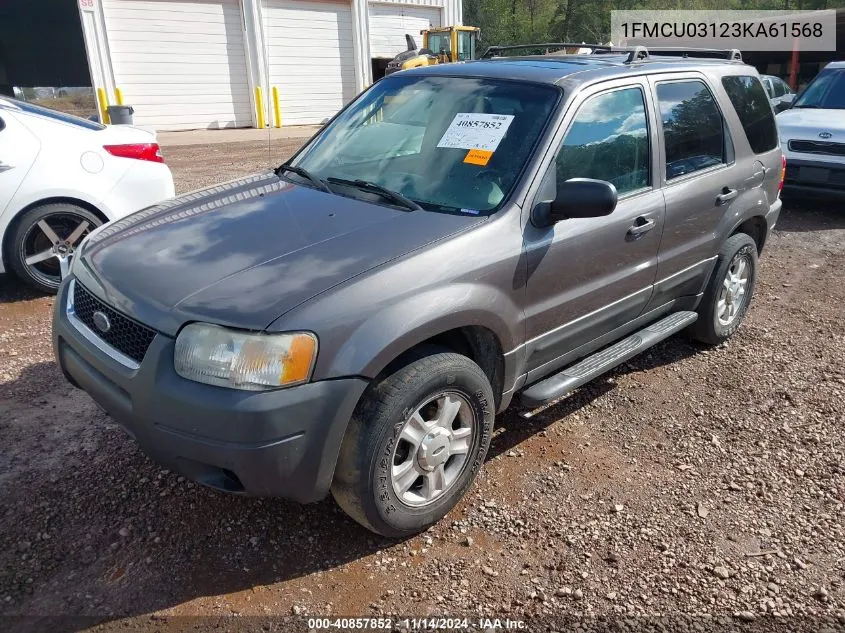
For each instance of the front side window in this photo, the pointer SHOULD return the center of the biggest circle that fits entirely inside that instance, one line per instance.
(693, 129)
(448, 145)
(827, 90)
(754, 111)
(608, 140)
(781, 88)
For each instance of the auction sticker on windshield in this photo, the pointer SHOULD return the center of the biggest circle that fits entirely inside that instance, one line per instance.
(472, 130)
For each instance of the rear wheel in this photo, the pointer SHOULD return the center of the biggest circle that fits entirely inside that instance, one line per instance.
(415, 444)
(41, 236)
(729, 291)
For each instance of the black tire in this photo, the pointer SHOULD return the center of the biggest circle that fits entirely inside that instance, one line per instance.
(709, 328)
(362, 484)
(29, 239)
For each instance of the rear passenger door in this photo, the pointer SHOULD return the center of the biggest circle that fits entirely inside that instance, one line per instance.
(701, 178)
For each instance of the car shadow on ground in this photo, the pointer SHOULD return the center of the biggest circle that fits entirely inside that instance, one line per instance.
(127, 538)
(13, 290)
(804, 215)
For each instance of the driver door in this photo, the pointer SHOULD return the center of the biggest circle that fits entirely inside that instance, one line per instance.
(589, 276)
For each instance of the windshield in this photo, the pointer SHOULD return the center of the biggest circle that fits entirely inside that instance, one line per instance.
(438, 42)
(827, 90)
(447, 144)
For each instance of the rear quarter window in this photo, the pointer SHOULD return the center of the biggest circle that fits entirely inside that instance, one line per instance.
(754, 111)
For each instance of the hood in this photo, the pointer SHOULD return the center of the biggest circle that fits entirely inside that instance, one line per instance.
(808, 123)
(244, 253)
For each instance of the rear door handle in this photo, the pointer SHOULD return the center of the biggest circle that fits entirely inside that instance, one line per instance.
(641, 227)
(726, 196)
(5, 167)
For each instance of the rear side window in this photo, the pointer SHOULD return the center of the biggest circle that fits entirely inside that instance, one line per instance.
(608, 140)
(754, 111)
(692, 127)
(58, 116)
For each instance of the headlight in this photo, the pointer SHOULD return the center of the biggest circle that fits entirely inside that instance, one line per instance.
(241, 360)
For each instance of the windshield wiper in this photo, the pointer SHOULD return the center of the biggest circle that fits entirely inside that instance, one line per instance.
(299, 171)
(395, 197)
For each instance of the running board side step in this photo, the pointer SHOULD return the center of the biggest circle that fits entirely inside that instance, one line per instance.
(561, 384)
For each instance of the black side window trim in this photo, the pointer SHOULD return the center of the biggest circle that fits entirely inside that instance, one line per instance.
(728, 151)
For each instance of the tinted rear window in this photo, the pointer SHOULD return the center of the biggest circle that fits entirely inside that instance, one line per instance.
(754, 111)
(58, 116)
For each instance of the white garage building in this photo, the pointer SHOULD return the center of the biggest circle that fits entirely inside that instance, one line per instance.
(195, 64)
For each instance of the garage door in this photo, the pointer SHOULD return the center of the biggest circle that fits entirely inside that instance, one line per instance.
(311, 57)
(180, 64)
(390, 22)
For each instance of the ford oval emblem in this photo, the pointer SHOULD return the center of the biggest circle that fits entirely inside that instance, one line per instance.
(101, 321)
(825, 135)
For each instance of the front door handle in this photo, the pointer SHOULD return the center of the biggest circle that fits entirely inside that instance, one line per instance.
(5, 167)
(726, 196)
(641, 227)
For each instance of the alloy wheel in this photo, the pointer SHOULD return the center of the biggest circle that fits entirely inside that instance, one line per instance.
(49, 240)
(433, 448)
(732, 295)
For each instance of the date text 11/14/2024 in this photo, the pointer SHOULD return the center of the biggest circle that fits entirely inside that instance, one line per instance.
(417, 624)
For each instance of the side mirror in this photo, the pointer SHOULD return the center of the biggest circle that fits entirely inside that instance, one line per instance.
(582, 198)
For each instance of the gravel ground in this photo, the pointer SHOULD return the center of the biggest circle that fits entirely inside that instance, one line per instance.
(707, 483)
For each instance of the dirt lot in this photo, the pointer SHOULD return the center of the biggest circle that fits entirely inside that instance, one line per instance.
(705, 482)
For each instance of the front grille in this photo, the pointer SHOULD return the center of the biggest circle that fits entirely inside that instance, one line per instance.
(818, 147)
(125, 335)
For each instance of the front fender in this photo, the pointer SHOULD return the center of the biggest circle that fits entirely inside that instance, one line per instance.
(386, 335)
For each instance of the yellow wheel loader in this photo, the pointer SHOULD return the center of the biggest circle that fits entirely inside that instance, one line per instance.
(439, 46)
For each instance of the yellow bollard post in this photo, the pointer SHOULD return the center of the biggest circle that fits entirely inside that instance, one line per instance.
(259, 106)
(277, 109)
(118, 95)
(103, 102)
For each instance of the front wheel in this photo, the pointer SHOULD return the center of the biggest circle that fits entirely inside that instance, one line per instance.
(44, 234)
(729, 291)
(415, 444)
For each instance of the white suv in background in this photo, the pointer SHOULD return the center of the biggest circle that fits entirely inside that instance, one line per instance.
(812, 135)
(62, 176)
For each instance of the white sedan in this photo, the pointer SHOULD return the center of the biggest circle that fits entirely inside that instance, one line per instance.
(61, 177)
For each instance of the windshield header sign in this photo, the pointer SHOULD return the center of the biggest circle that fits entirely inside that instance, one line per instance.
(471, 130)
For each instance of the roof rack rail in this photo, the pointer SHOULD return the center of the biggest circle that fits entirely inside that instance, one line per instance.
(635, 53)
(546, 47)
(639, 53)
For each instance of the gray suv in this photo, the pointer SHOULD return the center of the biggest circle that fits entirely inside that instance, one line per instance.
(458, 236)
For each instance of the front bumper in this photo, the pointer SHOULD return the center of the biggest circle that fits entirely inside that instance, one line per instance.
(814, 178)
(281, 443)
